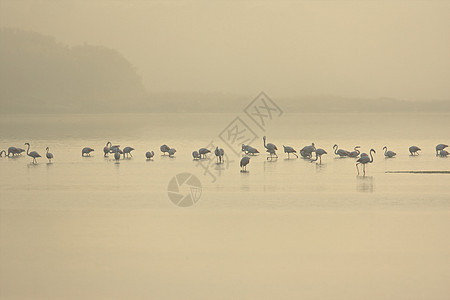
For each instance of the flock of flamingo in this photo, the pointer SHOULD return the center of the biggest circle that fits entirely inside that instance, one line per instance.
(306, 153)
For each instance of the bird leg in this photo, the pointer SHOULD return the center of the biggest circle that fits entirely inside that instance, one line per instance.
(357, 168)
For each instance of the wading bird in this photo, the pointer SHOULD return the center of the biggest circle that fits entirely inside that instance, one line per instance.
(306, 152)
(440, 147)
(164, 149)
(443, 153)
(203, 151)
(271, 148)
(244, 162)
(106, 149)
(289, 150)
(319, 153)
(354, 153)
(219, 154)
(33, 154)
(149, 155)
(3, 151)
(365, 160)
(413, 150)
(389, 153)
(48, 155)
(172, 152)
(127, 151)
(86, 151)
(247, 149)
(195, 155)
(340, 152)
(117, 153)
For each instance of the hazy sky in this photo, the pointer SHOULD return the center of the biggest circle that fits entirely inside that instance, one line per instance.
(389, 48)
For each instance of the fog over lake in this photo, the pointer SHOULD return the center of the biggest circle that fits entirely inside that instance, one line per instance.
(204, 74)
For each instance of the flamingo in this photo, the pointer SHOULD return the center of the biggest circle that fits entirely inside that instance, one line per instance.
(244, 162)
(203, 151)
(306, 152)
(33, 154)
(86, 151)
(289, 150)
(219, 154)
(19, 151)
(195, 155)
(172, 152)
(127, 151)
(247, 149)
(443, 153)
(12, 150)
(271, 148)
(107, 149)
(440, 147)
(388, 154)
(49, 155)
(3, 151)
(365, 160)
(413, 150)
(149, 155)
(354, 153)
(164, 149)
(340, 152)
(117, 153)
(319, 153)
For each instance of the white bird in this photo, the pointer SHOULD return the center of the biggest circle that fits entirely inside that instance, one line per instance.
(413, 150)
(365, 160)
(219, 154)
(319, 153)
(354, 153)
(164, 149)
(244, 162)
(440, 147)
(172, 152)
(195, 155)
(389, 153)
(289, 150)
(443, 153)
(340, 152)
(271, 148)
(247, 149)
(33, 154)
(149, 155)
(49, 155)
(203, 151)
(86, 151)
(127, 151)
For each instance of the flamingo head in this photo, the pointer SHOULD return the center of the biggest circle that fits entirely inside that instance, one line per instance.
(335, 146)
(264, 137)
(384, 148)
(27, 144)
(46, 148)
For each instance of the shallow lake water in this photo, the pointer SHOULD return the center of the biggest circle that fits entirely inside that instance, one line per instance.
(91, 227)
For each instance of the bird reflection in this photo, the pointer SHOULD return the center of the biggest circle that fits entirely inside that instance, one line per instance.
(364, 184)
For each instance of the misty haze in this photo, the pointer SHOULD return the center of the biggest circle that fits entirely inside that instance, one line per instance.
(224, 149)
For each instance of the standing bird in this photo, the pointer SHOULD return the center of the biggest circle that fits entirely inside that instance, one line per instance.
(195, 155)
(117, 153)
(107, 149)
(413, 150)
(244, 162)
(388, 154)
(164, 149)
(49, 155)
(86, 151)
(289, 150)
(443, 153)
(271, 148)
(319, 153)
(306, 152)
(354, 153)
(12, 150)
(340, 152)
(247, 149)
(33, 154)
(440, 147)
(149, 155)
(365, 160)
(203, 151)
(219, 154)
(127, 151)
(172, 152)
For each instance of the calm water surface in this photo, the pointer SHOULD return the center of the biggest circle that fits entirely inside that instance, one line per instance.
(88, 227)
